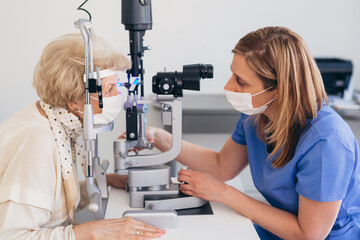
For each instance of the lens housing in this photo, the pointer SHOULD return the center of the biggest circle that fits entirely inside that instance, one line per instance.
(172, 83)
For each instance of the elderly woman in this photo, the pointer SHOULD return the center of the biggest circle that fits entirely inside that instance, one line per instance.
(303, 157)
(40, 144)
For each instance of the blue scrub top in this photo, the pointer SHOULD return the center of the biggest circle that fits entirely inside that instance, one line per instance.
(325, 167)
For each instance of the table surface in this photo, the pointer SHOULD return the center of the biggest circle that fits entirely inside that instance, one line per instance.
(225, 223)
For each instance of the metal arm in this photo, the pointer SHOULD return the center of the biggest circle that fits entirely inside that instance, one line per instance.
(171, 112)
(98, 196)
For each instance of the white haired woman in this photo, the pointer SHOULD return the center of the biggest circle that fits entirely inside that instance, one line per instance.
(40, 145)
(303, 157)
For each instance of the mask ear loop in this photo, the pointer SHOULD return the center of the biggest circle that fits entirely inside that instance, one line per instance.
(261, 91)
(269, 102)
(94, 98)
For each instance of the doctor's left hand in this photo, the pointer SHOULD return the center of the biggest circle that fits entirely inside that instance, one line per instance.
(202, 185)
(118, 181)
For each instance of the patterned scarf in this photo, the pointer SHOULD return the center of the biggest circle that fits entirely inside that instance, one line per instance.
(67, 128)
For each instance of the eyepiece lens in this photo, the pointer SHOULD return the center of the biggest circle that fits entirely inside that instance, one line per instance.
(206, 71)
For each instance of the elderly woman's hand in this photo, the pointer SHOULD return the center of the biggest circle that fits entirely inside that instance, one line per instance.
(124, 228)
(202, 185)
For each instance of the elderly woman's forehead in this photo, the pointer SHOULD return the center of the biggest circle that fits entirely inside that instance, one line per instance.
(110, 79)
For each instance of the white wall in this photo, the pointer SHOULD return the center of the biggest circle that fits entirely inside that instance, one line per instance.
(184, 31)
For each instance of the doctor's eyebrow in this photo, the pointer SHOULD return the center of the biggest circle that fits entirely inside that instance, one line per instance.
(238, 78)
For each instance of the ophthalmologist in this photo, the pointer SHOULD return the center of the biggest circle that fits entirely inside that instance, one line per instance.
(41, 145)
(303, 157)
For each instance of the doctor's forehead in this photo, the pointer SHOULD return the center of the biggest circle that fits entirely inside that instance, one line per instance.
(241, 68)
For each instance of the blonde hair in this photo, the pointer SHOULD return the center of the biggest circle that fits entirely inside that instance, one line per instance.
(58, 76)
(281, 59)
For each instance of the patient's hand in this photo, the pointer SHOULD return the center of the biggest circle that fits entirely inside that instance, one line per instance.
(118, 181)
(117, 229)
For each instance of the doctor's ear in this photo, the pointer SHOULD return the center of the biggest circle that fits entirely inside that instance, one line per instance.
(275, 91)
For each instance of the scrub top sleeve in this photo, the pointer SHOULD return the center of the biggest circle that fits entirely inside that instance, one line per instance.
(238, 134)
(324, 172)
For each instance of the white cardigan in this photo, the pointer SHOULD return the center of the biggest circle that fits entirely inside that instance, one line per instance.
(32, 197)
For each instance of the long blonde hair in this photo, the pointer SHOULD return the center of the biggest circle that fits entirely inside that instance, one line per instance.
(281, 59)
(58, 76)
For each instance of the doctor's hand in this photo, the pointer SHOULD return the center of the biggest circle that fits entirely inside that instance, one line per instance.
(159, 137)
(149, 134)
(118, 181)
(202, 185)
(110, 229)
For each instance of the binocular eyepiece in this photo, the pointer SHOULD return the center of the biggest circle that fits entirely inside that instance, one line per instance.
(172, 83)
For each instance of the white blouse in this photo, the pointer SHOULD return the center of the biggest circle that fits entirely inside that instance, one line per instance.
(32, 197)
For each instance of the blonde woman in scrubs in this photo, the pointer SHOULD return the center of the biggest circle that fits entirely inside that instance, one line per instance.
(41, 145)
(303, 157)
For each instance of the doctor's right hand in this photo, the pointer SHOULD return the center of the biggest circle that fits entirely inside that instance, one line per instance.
(122, 228)
(161, 139)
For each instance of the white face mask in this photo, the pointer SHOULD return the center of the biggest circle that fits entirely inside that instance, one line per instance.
(111, 109)
(243, 102)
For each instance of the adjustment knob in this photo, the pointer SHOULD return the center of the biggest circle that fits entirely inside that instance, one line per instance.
(166, 86)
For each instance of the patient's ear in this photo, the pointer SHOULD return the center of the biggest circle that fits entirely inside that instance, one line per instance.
(73, 106)
(76, 108)
(77, 105)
